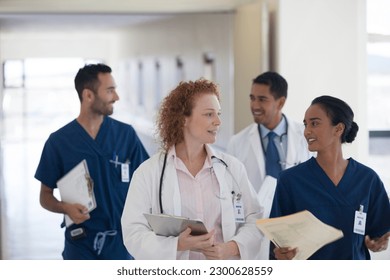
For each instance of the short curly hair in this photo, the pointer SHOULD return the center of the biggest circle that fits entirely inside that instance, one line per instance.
(177, 106)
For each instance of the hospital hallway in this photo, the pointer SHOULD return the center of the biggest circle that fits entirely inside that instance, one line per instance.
(28, 231)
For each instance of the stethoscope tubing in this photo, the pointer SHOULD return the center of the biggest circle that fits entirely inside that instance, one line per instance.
(161, 181)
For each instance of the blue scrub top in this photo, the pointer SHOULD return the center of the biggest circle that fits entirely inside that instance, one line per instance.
(307, 187)
(115, 141)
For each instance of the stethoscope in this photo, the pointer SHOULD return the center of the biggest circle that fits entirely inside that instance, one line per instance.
(237, 194)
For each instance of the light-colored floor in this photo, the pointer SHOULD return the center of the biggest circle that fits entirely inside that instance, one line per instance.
(28, 231)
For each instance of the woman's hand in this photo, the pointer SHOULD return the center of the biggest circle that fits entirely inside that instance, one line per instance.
(222, 251)
(194, 242)
(377, 244)
(285, 253)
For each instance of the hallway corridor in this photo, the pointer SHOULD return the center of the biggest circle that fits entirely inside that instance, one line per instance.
(29, 231)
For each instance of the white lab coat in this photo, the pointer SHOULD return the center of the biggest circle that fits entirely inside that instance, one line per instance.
(143, 197)
(246, 146)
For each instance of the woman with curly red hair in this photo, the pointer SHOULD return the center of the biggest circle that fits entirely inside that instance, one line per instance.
(189, 178)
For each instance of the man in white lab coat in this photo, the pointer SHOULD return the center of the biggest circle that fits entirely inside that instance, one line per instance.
(267, 98)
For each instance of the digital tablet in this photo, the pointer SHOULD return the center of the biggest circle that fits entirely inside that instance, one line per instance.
(168, 225)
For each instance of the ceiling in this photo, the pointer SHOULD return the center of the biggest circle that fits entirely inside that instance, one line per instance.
(41, 15)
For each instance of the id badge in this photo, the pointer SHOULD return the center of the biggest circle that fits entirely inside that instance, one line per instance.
(360, 221)
(125, 172)
(239, 211)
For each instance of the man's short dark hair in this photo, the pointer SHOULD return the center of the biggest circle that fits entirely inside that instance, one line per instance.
(87, 77)
(278, 85)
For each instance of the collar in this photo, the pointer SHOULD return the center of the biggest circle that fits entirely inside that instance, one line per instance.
(280, 129)
(208, 162)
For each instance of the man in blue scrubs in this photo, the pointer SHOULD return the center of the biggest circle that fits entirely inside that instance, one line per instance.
(112, 150)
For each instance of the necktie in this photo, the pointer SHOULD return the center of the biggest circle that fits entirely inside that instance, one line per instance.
(272, 165)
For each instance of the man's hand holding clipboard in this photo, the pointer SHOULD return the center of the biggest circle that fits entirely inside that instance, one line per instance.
(76, 189)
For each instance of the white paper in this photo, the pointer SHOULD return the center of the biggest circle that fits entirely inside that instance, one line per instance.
(301, 230)
(77, 187)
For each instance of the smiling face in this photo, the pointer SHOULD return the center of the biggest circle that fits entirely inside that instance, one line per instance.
(203, 123)
(106, 95)
(266, 110)
(320, 133)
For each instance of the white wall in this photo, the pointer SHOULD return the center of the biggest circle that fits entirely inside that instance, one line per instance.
(320, 49)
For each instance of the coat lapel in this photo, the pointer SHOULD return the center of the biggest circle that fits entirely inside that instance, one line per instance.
(257, 148)
(170, 190)
(227, 211)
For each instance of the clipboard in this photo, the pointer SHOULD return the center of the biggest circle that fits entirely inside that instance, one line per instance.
(76, 186)
(169, 225)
